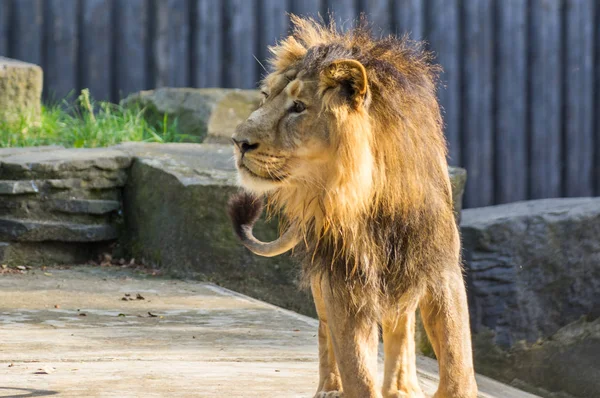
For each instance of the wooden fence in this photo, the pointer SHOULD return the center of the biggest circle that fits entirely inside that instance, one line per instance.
(521, 84)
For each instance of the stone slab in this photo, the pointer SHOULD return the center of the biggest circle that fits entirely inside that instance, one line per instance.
(201, 340)
(21, 86)
(64, 163)
(12, 229)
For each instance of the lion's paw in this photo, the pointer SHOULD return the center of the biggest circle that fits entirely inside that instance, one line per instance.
(329, 394)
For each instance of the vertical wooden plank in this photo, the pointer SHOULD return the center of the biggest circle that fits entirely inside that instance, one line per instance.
(596, 125)
(511, 102)
(546, 104)
(239, 62)
(344, 13)
(207, 62)
(307, 8)
(444, 40)
(477, 120)
(95, 51)
(409, 17)
(379, 15)
(131, 55)
(27, 24)
(272, 27)
(579, 139)
(4, 27)
(171, 44)
(60, 58)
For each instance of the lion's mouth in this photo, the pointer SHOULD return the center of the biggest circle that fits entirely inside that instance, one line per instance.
(269, 176)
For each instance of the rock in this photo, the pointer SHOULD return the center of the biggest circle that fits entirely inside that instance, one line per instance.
(65, 163)
(85, 206)
(20, 90)
(532, 268)
(212, 112)
(175, 217)
(12, 229)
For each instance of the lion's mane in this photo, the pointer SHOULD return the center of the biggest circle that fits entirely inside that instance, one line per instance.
(382, 227)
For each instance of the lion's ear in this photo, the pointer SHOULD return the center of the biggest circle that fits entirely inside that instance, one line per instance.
(350, 76)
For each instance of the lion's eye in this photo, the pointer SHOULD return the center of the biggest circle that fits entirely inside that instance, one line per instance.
(298, 107)
(265, 94)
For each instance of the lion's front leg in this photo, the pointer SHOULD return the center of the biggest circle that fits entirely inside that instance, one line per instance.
(400, 368)
(330, 383)
(355, 339)
(446, 320)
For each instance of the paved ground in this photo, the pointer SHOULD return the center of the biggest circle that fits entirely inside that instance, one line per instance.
(83, 333)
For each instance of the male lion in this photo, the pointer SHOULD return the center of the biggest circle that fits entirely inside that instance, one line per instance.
(348, 146)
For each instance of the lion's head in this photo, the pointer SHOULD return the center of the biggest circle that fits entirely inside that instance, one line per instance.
(349, 128)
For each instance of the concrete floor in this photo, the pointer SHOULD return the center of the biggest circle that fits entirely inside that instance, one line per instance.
(69, 333)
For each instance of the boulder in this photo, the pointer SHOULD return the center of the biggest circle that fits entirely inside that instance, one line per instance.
(20, 90)
(211, 113)
(175, 217)
(533, 272)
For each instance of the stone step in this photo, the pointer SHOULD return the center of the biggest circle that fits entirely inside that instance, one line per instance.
(13, 229)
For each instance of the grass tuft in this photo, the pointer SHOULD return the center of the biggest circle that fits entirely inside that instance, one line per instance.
(85, 123)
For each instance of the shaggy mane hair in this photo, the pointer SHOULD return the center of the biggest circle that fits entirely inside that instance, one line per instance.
(382, 227)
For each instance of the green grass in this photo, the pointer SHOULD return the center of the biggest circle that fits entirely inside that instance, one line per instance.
(85, 123)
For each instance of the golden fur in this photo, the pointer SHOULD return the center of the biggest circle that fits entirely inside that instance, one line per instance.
(360, 176)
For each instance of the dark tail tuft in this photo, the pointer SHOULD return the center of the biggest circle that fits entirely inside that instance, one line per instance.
(244, 208)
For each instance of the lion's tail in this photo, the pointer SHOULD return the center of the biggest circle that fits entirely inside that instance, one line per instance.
(244, 210)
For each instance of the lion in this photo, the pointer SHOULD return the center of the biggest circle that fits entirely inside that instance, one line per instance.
(347, 146)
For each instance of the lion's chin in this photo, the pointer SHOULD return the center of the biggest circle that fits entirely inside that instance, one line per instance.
(255, 183)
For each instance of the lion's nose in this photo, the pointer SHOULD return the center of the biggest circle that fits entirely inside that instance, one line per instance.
(244, 145)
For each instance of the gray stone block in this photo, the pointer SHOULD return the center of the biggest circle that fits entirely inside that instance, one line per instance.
(533, 269)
